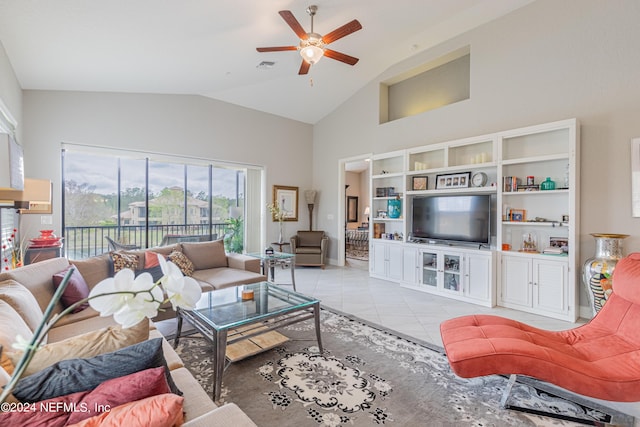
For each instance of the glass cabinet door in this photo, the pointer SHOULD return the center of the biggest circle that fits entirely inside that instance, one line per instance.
(452, 278)
(430, 269)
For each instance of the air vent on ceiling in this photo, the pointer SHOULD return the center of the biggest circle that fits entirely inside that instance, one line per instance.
(265, 65)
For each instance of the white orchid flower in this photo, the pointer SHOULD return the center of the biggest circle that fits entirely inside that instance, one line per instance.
(182, 291)
(21, 344)
(130, 299)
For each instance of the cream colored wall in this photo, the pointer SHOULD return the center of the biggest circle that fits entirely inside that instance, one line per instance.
(10, 91)
(173, 124)
(547, 61)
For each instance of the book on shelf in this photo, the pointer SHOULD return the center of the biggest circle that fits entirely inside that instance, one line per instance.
(510, 183)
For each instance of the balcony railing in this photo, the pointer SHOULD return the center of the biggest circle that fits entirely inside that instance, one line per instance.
(85, 242)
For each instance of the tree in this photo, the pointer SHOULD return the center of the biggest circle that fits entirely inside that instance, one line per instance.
(83, 207)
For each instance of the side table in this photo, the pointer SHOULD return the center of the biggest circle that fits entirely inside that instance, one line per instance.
(33, 255)
(269, 262)
(280, 245)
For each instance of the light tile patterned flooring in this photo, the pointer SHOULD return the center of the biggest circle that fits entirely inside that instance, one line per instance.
(417, 314)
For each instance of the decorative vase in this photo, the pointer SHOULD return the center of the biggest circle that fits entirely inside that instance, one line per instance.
(394, 208)
(597, 271)
(280, 235)
(47, 234)
(547, 184)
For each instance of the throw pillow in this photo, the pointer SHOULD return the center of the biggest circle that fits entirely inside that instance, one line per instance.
(109, 394)
(122, 260)
(72, 376)
(5, 362)
(155, 272)
(22, 301)
(8, 316)
(75, 291)
(184, 264)
(94, 269)
(151, 259)
(87, 345)
(35, 416)
(4, 380)
(164, 410)
(206, 255)
(118, 391)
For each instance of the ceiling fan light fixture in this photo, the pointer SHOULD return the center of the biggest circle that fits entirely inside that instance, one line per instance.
(312, 48)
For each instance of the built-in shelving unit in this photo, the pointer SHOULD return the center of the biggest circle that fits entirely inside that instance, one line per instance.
(502, 274)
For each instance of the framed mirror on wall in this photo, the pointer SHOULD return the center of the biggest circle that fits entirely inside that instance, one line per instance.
(352, 209)
(635, 177)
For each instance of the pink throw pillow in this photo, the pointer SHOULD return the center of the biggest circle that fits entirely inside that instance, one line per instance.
(108, 395)
(164, 410)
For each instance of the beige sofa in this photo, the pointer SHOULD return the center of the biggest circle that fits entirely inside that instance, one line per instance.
(199, 409)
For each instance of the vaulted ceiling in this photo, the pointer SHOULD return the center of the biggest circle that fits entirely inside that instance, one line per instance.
(209, 47)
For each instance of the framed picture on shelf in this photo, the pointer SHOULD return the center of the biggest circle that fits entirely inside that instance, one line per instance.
(453, 180)
(518, 215)
(560, 242)
(419, 183)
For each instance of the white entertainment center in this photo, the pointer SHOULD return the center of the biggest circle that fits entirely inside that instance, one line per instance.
(525, 259)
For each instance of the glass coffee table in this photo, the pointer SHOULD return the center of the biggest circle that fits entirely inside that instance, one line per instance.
(223, 317)
(269, 262)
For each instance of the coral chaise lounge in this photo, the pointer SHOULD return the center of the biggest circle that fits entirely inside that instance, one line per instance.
(600, 359)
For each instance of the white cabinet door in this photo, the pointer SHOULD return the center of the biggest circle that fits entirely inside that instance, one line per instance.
(394, 262)
(379, 258)
(410, 266)
(477, 277)
(550, 286)
(387, 260)
(516, 280)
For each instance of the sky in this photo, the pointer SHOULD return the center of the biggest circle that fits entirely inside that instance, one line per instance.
(101, 171)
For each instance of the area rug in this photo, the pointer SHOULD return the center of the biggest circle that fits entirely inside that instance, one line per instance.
(360, 254)
(368, 376)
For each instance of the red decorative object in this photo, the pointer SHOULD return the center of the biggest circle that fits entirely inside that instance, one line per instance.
(47, 234)
(46, 240)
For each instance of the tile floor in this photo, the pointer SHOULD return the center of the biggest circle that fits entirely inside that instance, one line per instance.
(410, 312)
(417, 314)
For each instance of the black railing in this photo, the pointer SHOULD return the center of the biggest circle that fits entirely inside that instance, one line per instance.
(85, 242)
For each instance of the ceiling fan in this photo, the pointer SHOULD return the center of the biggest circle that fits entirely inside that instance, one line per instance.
(312, 46)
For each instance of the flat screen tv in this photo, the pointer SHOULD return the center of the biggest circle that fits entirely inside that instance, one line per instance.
(463, 218)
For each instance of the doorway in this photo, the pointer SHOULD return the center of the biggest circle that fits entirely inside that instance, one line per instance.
(355, 210)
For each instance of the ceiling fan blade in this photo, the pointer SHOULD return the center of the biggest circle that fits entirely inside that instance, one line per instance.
(345, 30)
(304, 67)
(342, 57)
(275, 48)
(293, 23)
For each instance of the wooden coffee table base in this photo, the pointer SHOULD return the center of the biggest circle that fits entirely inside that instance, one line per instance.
(254, 345)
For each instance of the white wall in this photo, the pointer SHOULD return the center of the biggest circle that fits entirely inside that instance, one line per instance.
(10, 91)
(173, 124)
(548, 61)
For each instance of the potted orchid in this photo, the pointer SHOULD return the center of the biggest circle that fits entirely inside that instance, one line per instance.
(278, 213)
(128, 298)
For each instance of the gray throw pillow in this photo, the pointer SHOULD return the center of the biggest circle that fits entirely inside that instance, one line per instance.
(74, 375)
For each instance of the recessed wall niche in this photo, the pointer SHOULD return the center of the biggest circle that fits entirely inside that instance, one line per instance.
(435, 84)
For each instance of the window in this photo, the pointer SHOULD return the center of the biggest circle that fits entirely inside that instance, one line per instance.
(146, 200)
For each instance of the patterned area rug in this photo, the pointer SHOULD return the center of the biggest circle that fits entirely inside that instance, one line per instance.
(367, 376)
(360, 254)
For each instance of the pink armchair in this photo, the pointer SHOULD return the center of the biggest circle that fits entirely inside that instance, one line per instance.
(600, 359)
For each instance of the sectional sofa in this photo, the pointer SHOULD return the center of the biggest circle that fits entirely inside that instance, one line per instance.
(84, 335)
